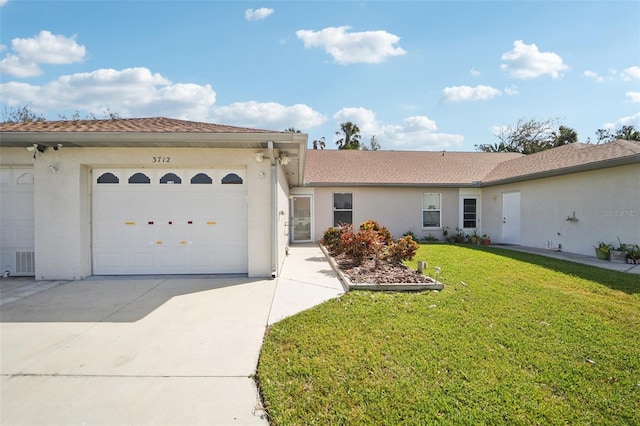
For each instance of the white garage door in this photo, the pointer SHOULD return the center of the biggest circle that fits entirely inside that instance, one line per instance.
(169, 221)
(16, 221)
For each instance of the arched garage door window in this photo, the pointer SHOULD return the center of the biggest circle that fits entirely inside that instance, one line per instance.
(232, 179)
(139, 178)
(108, 178)
(202, 179)
(171, 178)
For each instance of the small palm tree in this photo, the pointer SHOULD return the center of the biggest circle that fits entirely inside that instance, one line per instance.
(319, 143)
(350, 136)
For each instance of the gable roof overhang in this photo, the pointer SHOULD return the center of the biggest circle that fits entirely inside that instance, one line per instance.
(614, 162)
(141, 133)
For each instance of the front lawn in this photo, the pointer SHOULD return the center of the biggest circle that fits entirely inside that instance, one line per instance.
(513, 339)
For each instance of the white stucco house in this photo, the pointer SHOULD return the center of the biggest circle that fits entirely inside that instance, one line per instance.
(145, 196)
(164, 196)
(568, 197)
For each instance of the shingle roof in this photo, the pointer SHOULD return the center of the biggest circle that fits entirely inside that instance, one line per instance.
(401, 168)
(575, 156)
(141, 125)
(419, 168)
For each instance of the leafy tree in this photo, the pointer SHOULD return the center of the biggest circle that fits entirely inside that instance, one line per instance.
(23, 114)
(530, 136)
(628, 133)
(350, 136)
(563, 136)
(374, 145)
(319, 143)
(26, 114)
(293, 130)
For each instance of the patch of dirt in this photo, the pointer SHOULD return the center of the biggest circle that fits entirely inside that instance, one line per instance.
(385, 273)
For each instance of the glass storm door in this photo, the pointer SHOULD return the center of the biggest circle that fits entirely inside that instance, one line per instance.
(301, 218)
(470, 213)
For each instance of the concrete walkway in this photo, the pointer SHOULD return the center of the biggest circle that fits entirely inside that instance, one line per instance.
(578, 258)
(146, 350)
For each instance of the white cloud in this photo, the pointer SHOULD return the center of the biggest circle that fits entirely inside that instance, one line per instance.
(631, 73)
(467, 93)
(364, 118)
(128, 92)
(526, 61)
(634, 97)
(593, 76)
(630, 120)
(3, 2)
(267, 115)
(44, 48)
(414, 133)
(370, 47)
(17, 67)
(257, 14)
(474, 72)
(511, 90)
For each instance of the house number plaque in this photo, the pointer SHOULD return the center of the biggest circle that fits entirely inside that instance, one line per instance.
(161, 159)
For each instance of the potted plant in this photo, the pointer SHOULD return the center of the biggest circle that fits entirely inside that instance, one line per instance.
(485, 240)
(602, 250)
(633, 254)
(618, 254)
(474, 237)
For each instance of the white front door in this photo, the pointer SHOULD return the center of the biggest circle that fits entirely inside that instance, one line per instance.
(511, 218)
(301, 224)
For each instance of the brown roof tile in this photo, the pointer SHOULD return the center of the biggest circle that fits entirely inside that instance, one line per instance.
(141, 125)
(336, 167)
(563, 159)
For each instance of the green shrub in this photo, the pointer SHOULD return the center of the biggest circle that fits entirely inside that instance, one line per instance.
(381, 230)
(410, 234)
(402, 249)
(331, 240)
(361, 245)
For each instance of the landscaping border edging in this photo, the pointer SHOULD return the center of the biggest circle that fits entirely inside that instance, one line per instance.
(348, 285)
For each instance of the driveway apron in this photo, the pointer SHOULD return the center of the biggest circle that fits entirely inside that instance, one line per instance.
(146, 350)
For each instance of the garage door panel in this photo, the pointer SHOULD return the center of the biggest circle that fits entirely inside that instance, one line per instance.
(138, 261)
(17, 206)
(17, 240)
(172, 228)
(109, 263)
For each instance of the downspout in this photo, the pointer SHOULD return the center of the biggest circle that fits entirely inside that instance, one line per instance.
(274, 215)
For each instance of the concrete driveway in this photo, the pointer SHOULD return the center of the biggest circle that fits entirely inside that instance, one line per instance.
(157, 351)
(146, 350)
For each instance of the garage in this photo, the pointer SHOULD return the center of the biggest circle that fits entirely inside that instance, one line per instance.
(17, 221)
(169, 221)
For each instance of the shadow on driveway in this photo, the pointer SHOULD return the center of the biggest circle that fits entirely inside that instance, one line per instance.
(110, 299)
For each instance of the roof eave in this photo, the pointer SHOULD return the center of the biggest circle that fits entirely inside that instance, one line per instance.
(145, 139)
(632, 159)
(389, 185)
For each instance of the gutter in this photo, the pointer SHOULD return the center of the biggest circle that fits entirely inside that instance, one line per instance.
(274, 213)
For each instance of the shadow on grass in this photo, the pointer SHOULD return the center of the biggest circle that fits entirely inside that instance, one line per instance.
(628, 283)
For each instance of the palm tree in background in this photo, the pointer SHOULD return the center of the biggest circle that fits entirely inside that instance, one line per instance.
(350, 136)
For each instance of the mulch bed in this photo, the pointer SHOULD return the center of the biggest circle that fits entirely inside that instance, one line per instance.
(385, 273)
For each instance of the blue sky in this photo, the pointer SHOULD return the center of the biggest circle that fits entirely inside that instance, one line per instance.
(419, 75)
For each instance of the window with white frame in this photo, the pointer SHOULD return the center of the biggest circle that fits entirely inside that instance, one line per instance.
(431, 210)
(342, 208)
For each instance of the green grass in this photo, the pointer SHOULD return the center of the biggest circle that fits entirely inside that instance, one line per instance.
(527, 340)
